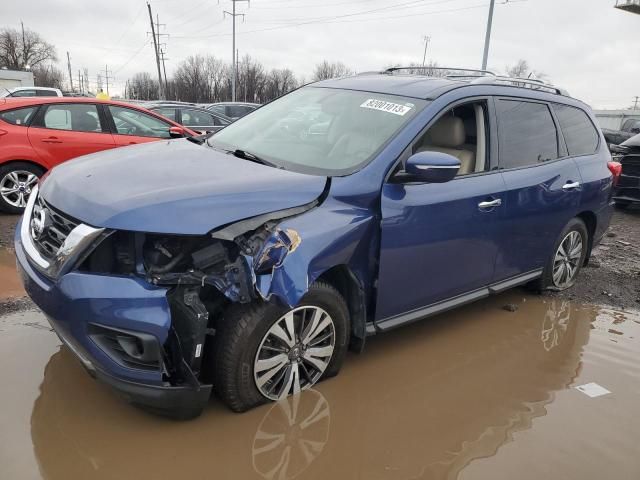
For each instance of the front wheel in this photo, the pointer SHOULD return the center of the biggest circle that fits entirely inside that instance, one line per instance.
(17, 180)
(266, 352)
(568, 257)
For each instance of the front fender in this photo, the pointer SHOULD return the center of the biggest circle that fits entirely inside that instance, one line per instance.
(331, 235)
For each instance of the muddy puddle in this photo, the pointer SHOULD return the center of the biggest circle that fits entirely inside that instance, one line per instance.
(479, 393)
(10, 285)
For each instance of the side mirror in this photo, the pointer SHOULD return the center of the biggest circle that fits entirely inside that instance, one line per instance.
(177, 132)
(432, 167)
(635, 130)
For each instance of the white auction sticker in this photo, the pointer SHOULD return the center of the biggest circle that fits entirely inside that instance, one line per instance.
(389, 107)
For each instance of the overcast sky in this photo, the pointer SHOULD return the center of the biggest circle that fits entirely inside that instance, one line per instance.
(585, 46)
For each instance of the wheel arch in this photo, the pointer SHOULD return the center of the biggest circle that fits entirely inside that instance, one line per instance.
(343, 279)
(35, 163)
(591, 222)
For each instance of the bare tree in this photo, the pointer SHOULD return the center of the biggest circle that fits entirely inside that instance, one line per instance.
(191, 80)
(143, 87)
(48, 76)
(522, 70)
(20, 52)
(326, 69)
(278, 83)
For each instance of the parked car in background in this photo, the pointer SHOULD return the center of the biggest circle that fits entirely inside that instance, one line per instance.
(36, 134)
(232, 110)
(255, 266)
(629, 128)
(31, 92)
(195, 118)
(627, 189)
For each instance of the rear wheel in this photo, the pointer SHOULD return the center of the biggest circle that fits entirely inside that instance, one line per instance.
(17, 180)
(266, 352)
(568, 257)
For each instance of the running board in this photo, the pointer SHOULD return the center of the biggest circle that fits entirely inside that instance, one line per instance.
(433, 309)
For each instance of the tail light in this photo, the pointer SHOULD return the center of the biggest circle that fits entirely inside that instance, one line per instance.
(616, 170)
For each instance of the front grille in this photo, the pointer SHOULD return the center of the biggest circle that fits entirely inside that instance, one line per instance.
(54, 231)
(631, 165)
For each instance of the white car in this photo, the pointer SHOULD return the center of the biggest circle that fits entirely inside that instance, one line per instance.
(31, 92)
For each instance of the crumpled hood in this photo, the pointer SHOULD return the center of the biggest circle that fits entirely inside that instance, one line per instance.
(172, 187)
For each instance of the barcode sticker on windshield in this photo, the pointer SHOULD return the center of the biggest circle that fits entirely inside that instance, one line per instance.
(383, 106)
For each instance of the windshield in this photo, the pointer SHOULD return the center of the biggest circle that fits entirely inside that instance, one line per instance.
(321, 131)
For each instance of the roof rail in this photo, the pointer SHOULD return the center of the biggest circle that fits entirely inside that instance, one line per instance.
(532, 83)
(487, 77)
(451, 69)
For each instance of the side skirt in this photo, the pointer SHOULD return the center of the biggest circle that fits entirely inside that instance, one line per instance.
(442, 306)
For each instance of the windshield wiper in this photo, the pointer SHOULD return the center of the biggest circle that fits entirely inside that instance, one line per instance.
(252, 158)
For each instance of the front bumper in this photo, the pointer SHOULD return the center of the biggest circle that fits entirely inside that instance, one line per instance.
(77, 299)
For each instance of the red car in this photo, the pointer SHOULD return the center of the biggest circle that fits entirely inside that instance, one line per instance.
(38, 133)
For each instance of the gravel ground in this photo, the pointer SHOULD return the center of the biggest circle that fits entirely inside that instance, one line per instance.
(612, 277)
(613, 274)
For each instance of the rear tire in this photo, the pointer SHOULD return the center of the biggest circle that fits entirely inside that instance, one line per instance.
(567, 258)
(17, 180)
(246, 332)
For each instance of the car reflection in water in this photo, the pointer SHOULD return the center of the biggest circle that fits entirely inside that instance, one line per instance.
(421, 402)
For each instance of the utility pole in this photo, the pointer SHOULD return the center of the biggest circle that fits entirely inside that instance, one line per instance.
(24, 57)
(155, 44)
(635, 103)
(85, 80)
(233, 47)
(81, 90)
(106, 77)
(426, 39)
(70, 75)
(487, 38)
(164, 69)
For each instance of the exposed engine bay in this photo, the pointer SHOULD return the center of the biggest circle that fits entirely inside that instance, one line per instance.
(203, 274)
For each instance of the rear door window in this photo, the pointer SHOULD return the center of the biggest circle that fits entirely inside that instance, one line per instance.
(46, 93)
(528, 134)
(76, 117)
(133, 122)
(170, 113)
(19, 116)
(196, 118)
(579, 133)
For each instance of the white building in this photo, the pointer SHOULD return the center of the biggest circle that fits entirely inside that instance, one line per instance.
(613, 119)
(15, 78)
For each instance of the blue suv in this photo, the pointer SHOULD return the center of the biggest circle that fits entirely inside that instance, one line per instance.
(248, 262)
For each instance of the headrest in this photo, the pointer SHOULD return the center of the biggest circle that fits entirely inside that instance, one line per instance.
(448, 132)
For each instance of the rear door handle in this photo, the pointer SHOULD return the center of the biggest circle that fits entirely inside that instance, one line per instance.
(51, 140)
(490, 203)
(570, 185)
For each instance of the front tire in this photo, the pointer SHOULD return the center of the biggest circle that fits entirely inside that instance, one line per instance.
(16, 183)
(264, 351)
(569, 253)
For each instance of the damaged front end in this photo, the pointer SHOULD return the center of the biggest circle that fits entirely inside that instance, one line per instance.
(203, 275)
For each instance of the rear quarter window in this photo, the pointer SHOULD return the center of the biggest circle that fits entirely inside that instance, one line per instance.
(19, 116)
(579, 133)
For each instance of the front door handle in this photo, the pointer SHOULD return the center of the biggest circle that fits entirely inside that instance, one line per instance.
(571, 185)
(51, 140)
(490, 203)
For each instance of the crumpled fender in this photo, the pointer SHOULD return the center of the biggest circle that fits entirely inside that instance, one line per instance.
(333, 234)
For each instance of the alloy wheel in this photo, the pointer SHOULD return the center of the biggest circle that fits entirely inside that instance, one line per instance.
(16, 186)
(567, 260)
(295, 352)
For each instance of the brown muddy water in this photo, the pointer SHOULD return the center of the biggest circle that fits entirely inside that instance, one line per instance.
(478, 393)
